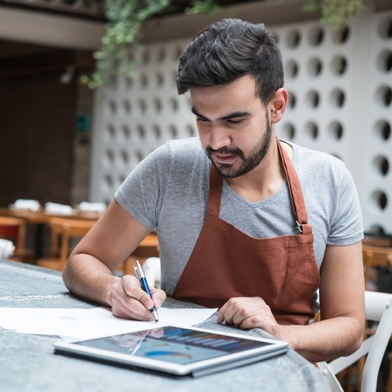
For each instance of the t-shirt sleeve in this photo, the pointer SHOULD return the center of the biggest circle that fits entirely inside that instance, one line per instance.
(346, 221)
(142, 192)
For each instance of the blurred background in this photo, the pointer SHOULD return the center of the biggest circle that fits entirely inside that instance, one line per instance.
(64, 142)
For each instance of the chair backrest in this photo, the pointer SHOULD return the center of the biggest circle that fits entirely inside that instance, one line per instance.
(13, 229)
(375, 256)
(67, 229)
(378, 308)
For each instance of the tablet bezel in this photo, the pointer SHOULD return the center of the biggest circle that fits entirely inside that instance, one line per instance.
(205, 366)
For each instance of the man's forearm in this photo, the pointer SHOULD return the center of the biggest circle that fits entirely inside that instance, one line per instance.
(324, 340)
(88, 278)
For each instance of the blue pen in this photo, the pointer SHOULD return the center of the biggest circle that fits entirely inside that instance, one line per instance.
(143, 282)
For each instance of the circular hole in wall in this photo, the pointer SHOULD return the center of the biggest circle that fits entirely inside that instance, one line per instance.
(146, 56)
(110, 156)
(385, 28)
(288, 131)
(313, 99)
(316, 36)
(384, 61)
(127, 106)
(341, 36)
(139, 156)
(111, 131)
(293, 39)
(311, 129)
(381, 164)
(109, 180)
(142, 105)
(339, 65)
(124, 156)
(112, 106)
(157, 104)
(157, 131)
(315, 67)
(161, 55)
(191, 130)
(292, 101)
(376, 230)
(336, 130)
(173, 131)
(337, 98)
(128, 82)
(126, 131)
(384, 95)
(178, 53)
(383, 129)
(291, 69)
(379, 199)
(174, 104)
(143, 80)
(141, 131)
(160, 79)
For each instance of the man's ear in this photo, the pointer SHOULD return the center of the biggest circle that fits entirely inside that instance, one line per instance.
(278, 105)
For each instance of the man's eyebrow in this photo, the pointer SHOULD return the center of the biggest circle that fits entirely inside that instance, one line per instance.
(226, 117)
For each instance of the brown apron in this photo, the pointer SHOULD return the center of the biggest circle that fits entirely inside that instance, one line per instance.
(227, 263)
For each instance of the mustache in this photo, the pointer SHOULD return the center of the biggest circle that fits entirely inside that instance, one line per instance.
(226, 150)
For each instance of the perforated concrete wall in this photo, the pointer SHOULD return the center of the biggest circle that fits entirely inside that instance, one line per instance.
(340, 86)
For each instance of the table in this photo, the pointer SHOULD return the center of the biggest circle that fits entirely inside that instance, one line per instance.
(41, 218)
(147, 248)
(28, 362)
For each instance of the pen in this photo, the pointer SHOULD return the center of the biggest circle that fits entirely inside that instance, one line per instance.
(143, 282)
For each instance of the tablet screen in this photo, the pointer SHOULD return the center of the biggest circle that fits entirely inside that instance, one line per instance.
(174, 344)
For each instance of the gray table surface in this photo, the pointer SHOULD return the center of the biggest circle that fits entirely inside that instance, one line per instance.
(28, 362)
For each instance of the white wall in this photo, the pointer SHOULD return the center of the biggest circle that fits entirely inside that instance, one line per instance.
(345, 110)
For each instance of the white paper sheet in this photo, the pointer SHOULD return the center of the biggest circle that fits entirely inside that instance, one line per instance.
(80, 324)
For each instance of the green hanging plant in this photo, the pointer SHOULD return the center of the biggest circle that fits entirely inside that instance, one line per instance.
(121, 51)
(334, 13)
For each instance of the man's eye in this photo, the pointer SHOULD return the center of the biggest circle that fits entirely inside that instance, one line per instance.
(200, 119)
(239, 121)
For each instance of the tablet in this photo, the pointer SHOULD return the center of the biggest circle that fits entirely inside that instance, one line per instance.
(176, 350)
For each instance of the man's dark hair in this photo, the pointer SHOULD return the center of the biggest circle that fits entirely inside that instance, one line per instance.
(228, 50)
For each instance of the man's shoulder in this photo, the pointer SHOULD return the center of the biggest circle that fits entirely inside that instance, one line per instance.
(181, 145)
(186, 149)
(315, 159)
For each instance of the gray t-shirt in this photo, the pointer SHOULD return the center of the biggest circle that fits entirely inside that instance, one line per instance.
(169, 191)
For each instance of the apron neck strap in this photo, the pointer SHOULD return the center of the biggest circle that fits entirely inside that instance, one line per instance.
(215, 193)
(294, 186)
(295, 191)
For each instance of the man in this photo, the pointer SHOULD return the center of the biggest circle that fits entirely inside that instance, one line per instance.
(246, 223)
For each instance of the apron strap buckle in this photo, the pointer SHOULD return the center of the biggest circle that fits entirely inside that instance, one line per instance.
(299, 225)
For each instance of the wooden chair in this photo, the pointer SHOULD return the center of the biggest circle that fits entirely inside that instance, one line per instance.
(377, 240)
(378, 307)
(375, 257)
(376, 254)
(149, 247)
(14, 229)
(63, 230)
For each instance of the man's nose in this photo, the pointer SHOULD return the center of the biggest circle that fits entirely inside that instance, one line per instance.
(219, 137)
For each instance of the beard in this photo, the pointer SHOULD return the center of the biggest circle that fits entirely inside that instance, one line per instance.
(249, 162)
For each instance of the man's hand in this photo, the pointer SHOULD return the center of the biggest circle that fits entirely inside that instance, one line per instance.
(247, 313)
(130, 301)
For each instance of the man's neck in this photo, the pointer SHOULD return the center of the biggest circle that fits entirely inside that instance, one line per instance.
(264, 180)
